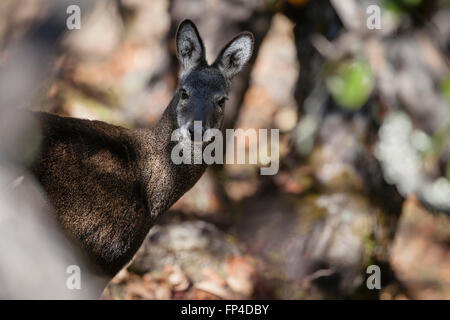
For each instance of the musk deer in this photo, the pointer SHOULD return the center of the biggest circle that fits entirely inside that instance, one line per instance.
(108, 184)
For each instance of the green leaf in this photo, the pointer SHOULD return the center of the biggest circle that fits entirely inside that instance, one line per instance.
(349, 82)
(445, 88)
(399, 6)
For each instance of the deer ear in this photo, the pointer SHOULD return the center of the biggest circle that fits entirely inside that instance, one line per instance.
(190, 48)
(235, 55)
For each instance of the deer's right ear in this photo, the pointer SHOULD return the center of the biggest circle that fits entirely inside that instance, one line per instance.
(190, 48)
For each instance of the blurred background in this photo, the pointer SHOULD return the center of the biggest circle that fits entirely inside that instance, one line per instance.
(364, 119)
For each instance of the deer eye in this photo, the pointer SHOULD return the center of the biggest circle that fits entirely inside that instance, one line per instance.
(221, 102)
(184, 94)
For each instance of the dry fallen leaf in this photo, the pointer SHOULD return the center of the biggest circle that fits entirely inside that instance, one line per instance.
(136, 289)
(214, 288)
(240, 275)
(177, 279)
(210, 275)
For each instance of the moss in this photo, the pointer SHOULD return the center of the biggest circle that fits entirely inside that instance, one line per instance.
(308, 211)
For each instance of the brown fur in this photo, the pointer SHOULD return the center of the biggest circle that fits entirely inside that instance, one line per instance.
(108, 184)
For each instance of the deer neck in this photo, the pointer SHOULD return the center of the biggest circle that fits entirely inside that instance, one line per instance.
(165, 181)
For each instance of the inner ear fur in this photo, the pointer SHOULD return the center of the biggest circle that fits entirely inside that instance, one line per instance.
(190, 48)
(235, 54)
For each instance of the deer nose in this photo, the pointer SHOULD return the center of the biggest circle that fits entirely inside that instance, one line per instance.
(196, 131)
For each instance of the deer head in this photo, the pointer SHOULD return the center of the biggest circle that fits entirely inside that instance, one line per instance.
(203, 89)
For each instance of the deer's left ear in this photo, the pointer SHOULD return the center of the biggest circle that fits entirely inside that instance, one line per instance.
(235, 55)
